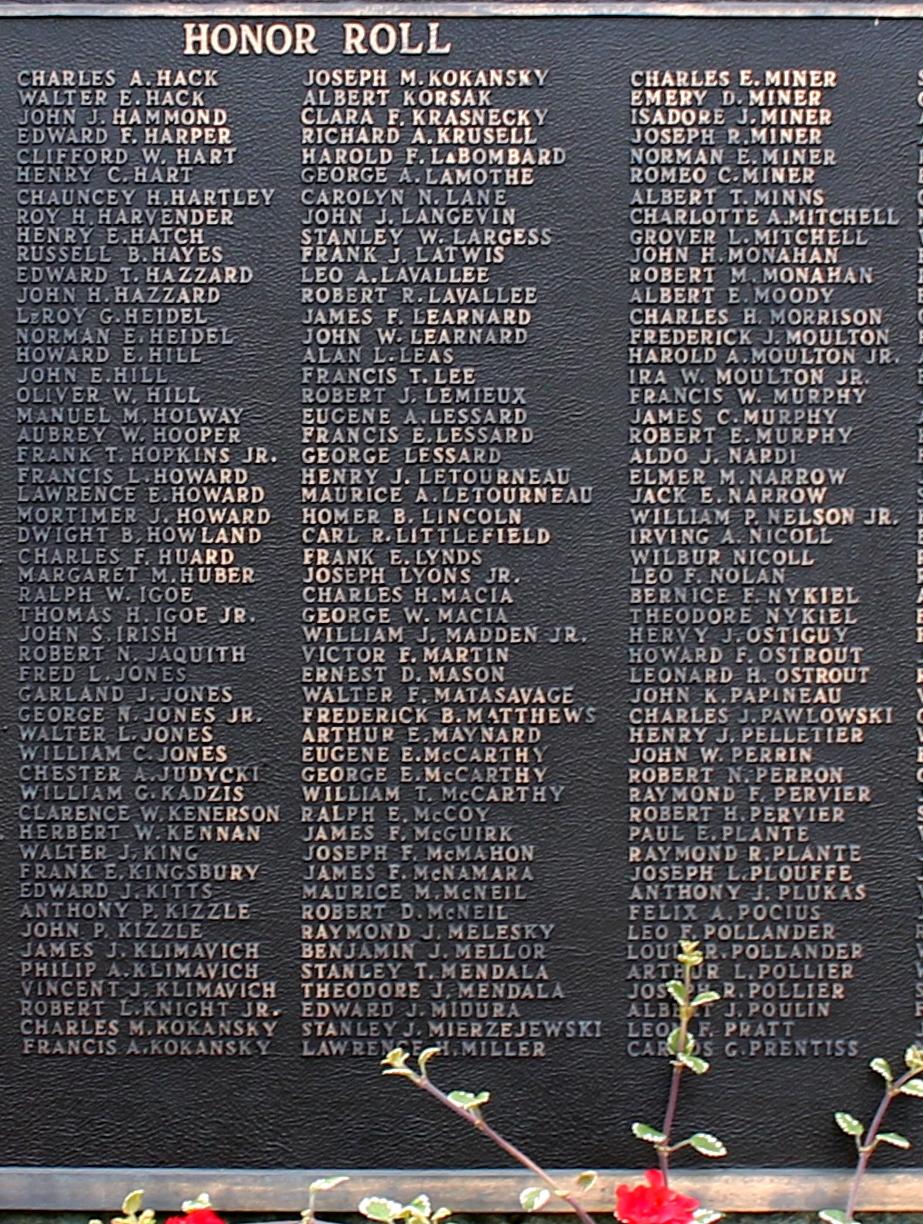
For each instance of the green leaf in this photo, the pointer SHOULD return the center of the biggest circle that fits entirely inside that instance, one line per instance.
(848, 1124)
(678, 991)
(698, 1066)
(132, 1202)
(883, 1068)
(706, 996)
(896, 1140)
(426, 1055)
(832, 1215)
(441, 1213)
(468, 1100)
(587, 1180)
(673, 1041)
(202, 1203)
(533, 1198)
(690, 953)
(380, 1209)
(649, 1134)
(326, 1183)
(913, 1087)
(707, 1145)
(421, 1204)
(913, 1057)
(705, 1215)
(395, 1063)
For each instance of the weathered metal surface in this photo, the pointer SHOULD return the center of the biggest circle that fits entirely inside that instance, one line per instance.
(610, 847)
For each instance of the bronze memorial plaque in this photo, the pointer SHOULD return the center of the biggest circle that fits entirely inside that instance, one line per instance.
(462, 501)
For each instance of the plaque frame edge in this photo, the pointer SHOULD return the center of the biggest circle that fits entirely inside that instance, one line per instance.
(690, 9)
(469, 1190)
(746, 1190)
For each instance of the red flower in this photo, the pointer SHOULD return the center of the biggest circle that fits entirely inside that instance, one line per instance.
(654, 1203)
(200, 1215)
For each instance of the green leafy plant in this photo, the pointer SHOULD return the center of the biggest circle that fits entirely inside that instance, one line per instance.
(417, 1211)
(468, 1106)
(131, 1207)
(682, 1048)
(867, 1141)
(316, 1187)
(195, 1211)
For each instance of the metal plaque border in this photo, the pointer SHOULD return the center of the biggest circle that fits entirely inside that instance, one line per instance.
(752, 9)
(467, 1190)
(99, 1189)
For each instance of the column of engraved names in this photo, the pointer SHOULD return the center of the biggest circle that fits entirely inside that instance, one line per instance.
(157, 909)
(71, 513)
(357, 962)
(753, 363)
(414, 289)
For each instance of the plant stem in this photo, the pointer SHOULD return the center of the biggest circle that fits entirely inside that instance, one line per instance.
(663, 1149)
(669, 1117)
(475, 1119)
(867, 1148)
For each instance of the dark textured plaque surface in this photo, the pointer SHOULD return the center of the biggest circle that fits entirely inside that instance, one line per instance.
(206, 951)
